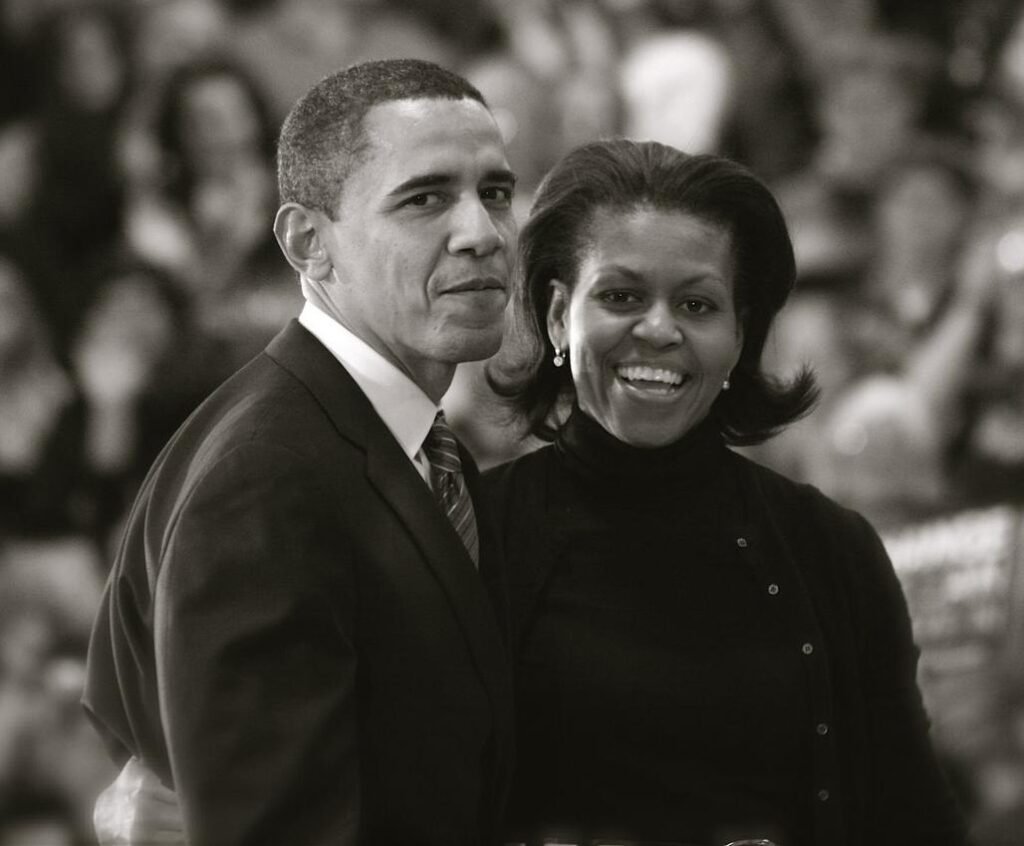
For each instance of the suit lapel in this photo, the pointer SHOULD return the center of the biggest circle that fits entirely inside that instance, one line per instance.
(391, 473)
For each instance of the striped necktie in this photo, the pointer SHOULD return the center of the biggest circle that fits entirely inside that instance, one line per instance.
(449, 484)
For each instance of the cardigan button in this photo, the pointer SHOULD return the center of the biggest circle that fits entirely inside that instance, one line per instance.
(807, 648)
(821, 728)
(823, 795)
(773, 589)
(741, 543)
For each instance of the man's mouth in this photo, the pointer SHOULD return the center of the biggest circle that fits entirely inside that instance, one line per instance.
(655, 380)
(477, 284)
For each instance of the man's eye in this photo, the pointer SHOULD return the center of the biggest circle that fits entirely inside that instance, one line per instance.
(497, 194)
(431, 198)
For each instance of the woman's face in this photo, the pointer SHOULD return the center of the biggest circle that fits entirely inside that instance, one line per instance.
(650, 322)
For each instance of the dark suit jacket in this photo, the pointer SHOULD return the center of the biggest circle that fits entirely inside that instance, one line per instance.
(293, 636)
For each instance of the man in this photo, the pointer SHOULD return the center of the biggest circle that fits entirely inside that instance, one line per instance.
(295, 636)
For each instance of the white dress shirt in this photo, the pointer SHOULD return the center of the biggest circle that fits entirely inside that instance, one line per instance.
(403, 406)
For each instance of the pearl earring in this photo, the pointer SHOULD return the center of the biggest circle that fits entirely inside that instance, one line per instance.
(559, 359)
(726, 385)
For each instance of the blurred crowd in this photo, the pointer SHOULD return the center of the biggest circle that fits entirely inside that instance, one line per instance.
(138, 267)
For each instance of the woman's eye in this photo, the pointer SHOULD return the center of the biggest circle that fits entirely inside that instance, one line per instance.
(696, 306)
(619, 297)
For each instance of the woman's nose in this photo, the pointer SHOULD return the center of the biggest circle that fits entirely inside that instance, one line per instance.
(658, 327)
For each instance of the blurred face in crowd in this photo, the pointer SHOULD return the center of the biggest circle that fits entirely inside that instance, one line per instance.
(867, 115)
(678, 89)
(419, 246)
(175, 32)
(124, 336)
(922, 210)
(649, 322)
(132, 309)
(91, 69)
(921, 216)
(219, 122)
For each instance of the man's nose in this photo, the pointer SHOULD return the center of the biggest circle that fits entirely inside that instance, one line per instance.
(474, 229)
(658, 326)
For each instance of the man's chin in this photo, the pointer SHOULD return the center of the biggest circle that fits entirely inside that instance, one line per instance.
(475, 343)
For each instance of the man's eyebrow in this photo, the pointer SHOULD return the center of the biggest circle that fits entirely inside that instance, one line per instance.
(500, 175)
(436, 180)
(426, 180)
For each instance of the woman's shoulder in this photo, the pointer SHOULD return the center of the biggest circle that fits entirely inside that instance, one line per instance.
(801, 506)
(839, 553)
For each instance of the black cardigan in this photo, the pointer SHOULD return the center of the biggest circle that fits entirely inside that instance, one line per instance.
(877, 780)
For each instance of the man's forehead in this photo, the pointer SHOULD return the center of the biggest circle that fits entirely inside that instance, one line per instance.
(423, 108)
(410, 133)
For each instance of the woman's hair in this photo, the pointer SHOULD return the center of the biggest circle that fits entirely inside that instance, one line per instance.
(622, 175)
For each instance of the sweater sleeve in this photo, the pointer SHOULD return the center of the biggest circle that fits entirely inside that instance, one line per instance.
(909, 801)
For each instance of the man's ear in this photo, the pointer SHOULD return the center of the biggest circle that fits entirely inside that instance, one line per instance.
(299, 234)
(558, 313)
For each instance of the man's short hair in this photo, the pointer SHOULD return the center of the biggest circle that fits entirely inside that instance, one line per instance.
(323, 139)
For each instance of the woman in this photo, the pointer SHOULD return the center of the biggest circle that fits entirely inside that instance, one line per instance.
(706, 651)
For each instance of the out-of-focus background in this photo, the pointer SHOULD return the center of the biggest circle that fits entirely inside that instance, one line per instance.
(138, 269)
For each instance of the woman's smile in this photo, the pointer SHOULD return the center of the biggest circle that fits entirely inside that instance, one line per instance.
(651, 382)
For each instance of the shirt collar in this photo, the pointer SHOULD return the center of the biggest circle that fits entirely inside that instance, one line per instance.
(403, 406)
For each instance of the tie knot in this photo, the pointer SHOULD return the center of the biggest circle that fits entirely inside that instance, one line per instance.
(441, 448)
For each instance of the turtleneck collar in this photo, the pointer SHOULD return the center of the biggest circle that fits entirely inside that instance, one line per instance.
(588, 450)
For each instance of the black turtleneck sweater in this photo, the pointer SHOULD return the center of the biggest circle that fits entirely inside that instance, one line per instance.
(706, 651)
(659, 697)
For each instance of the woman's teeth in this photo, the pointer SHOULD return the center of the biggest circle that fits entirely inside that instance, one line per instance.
(658, 375)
